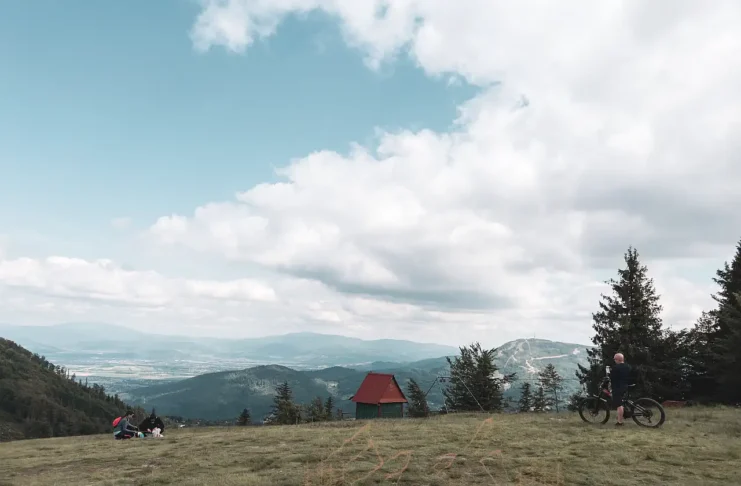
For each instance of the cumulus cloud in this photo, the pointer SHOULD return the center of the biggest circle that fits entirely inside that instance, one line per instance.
(58, 289)
(103, 280)
(599, 125)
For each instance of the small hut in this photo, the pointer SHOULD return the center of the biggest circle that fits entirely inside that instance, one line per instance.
(379, 396)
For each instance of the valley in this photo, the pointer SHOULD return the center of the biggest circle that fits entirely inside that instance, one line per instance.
(215, 379)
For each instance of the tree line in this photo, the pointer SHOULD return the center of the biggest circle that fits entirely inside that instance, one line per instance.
(285, 411)
(39, 399)
(477, 386)
(701, 364)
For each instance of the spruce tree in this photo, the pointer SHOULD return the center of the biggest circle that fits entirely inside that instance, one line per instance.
(329, 407)
(284, 410)
(526, 399)
(244, 418)
(709, 343)
(629, 322)
(552, 384)
(728, 352)
(700, 356)
(729, 280)
(315, 411)
(418, 406)
(475, 383)
(724, 338)
(458, 394)
(540, 402)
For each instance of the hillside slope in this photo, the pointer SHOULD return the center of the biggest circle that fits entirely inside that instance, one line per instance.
(222, 395)
(217, 396)
(37, 399)
(694, 447)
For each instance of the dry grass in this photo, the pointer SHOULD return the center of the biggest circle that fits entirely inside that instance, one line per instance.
(700, 446)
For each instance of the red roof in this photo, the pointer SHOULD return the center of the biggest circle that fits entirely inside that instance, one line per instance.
(379, 388)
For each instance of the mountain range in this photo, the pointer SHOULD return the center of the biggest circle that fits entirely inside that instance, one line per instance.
(222, 395)
(301, 350)
(216, 378)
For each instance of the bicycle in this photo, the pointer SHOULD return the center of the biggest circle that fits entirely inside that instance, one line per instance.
(592, 405)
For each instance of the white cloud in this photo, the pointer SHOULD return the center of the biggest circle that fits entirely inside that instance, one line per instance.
(104, 281)
(599, 125)
(610, 123)
(58, 289)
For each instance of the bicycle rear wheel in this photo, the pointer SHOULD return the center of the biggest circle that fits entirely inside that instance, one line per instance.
(592, 409)
(648, 413)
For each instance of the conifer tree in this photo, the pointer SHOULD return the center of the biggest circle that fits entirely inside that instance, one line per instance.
(475, 383)
(709, 344)
(315, 411)
(244, 418)
(418, 406)
(526, 399)
(700, 356)
(552, 384)
(284, 410)
(328, 408)
(629, 322)
(724, 338)
(729, 280)
(728, 352)
(540, 402)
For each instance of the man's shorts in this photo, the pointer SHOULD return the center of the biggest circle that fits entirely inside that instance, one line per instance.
(617, 398)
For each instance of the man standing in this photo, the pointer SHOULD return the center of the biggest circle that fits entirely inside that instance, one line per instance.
(620, 380)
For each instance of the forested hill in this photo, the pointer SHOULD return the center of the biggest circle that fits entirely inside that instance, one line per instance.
(39, 399)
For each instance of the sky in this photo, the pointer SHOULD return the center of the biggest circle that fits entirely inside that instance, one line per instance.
(430, 170)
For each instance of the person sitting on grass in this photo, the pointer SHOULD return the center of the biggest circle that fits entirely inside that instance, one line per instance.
(124, 429)
(150, 423)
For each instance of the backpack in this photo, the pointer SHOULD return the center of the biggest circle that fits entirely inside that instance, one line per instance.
(116, 421)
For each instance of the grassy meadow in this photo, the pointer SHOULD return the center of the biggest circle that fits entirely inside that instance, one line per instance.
(695, 446)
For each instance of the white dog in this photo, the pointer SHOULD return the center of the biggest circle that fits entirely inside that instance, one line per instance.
(157, 432)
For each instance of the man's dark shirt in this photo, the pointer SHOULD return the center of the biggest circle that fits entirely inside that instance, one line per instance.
(150, 423)
(620, 377)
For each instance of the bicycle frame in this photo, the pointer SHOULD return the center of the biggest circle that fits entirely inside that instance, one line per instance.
(594, 403)
(631, 409)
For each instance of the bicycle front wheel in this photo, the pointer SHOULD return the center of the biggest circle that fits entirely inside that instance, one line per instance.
(594, 411)
(648, 413)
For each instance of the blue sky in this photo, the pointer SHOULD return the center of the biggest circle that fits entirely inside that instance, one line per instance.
(108, 111)
(463, 209)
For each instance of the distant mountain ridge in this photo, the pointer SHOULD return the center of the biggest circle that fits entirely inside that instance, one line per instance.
(222, 395)
(214, 378)
(76, 340)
